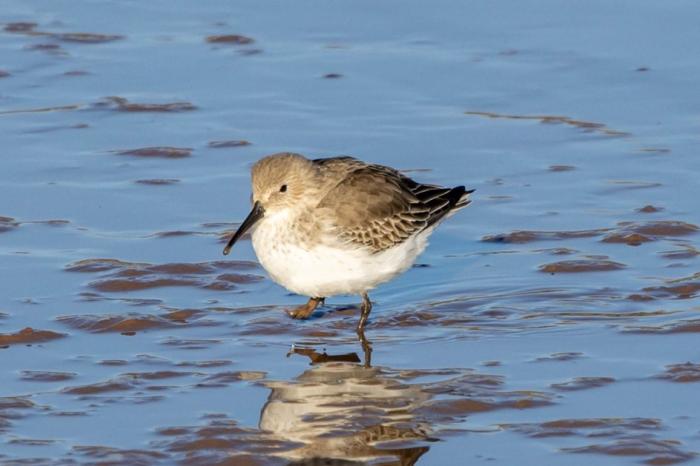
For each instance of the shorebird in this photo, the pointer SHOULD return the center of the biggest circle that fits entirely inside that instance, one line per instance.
(339, 226)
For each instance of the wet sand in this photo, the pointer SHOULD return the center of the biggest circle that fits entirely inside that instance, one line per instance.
(554, 321)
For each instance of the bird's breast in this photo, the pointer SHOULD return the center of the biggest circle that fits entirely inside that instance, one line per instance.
(326, 267)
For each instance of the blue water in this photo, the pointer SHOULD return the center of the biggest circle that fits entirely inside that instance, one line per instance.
(486, 94)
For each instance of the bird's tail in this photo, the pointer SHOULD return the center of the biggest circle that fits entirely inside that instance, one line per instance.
(459, 198)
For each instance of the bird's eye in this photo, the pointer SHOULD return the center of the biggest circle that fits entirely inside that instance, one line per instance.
(283, 188)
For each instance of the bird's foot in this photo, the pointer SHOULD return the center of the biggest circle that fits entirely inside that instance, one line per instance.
(305, 311)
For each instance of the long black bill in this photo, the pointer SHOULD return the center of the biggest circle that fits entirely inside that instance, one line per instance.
(252, 218)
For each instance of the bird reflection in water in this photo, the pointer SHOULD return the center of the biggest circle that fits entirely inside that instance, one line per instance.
(343, 412)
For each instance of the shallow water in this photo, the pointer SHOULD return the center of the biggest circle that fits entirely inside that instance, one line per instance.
(554, 321)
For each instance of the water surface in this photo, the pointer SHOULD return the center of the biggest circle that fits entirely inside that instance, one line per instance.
(554, 321)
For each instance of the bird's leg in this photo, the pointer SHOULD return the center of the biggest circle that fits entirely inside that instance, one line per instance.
(366, 346)
(365, 309)
(303, 312)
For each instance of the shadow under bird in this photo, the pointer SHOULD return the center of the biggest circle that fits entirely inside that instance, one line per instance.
(338, 225)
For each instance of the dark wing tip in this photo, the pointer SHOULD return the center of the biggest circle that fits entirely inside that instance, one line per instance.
(461, 197)
(456, 194)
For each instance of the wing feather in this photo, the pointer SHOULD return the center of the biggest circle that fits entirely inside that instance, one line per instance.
(377, 207)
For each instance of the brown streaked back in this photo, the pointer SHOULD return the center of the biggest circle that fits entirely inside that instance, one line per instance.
(377, 207)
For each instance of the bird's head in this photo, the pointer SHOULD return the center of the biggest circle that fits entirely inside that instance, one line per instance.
(280, 182)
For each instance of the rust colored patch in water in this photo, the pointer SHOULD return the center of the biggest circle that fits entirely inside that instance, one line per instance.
(269, 326)
(115, 323)
(205, 363)
(682, 288)
(76, 73)
(130, 276)
(656, 150)
(50, 129)
(158, 181)
(472, 392)
(634, 234)
(318, 333)
(9, 407)
(128, 323)
(87, 37)
(123, 105)
(222, 441)
(30, 29)
(31, 442)
(44, 47)
(47, 376)
(587, 126)
(679, 326)
(640, 297)
(20, 27)
(40, 109)
(100, 265)
(558, 251)
(239, 278)
(687, 252)
(176, 233)
(685, 372)
(15, 402)
(627, 185)
(586, 427)
(228, 144)
(635, 437)
(113, 362)
(528, 236)
(561, 168)
(631, 239)
(52, 222)
(233, 39)
(581, 265)
(166, 152)
(223, 379)
(123, 285)
(564, 356)
(462, 407)
(28, 336)
(662, 228)
(182, 315)
(156, 375)
(582, 383)
(654, 451)
(649, 209)
(89, 297)
(104, 455)
(7, 224)
(99, 387)
(190, 343)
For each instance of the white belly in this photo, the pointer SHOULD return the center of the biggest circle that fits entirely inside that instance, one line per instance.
(323, 270)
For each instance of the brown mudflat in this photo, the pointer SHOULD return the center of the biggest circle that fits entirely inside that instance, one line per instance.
(228, 143)
(28, 336)
(124, 105)
(160, 151)
(582, 265)
(235, 39)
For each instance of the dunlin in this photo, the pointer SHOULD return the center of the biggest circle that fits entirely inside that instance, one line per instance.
(336, 226)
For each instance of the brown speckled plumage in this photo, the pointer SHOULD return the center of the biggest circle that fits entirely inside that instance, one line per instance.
(377, 207)
(339, 225)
